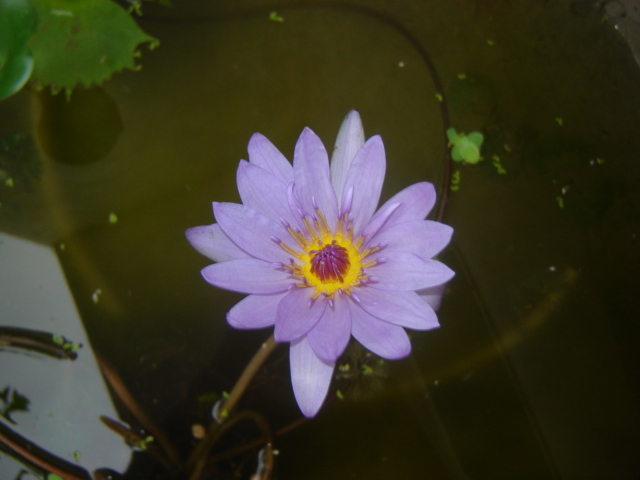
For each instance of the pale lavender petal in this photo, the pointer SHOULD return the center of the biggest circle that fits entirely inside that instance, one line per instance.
(350, 139)
(263, 192)
(406, 309)
(421, 237)
(331, 334)
(255, 311)
(433, 295)
(264, 154)
(311, 176)
(310, 377)
(406, 271)
(379, 221)
(382, 338)
(212, 242)
(366, 175)
(297, 314)
(417, 201)
(247, 275)
(295, 206)
(252, 231)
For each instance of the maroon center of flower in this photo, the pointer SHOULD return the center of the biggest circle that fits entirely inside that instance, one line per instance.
(330, 263)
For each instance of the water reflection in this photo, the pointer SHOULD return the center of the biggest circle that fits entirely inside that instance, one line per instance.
(80, 129)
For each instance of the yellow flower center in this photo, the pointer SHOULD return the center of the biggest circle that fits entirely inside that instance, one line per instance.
(329, 261)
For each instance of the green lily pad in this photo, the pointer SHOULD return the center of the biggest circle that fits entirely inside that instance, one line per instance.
(15, 72)
(18, 20)
(83, 42)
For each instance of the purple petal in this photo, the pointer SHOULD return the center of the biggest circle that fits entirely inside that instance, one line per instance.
(421, 237)
(366, 175)
(379, 220)
(255, 311)
(406, 309)
(350, 139)
(406, 271)
(310, 377)
(311, 176)
(212, 242)
(433, 295)
(264, 154)
(247, 275)
(252, 231)
(262, 191)
(417, 201)
(331, 334)
(295, 316)
(295, 206)
(382, 338)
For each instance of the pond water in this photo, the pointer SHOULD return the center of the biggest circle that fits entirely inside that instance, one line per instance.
(534, 370)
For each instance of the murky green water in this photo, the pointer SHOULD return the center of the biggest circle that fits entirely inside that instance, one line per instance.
(533, 373)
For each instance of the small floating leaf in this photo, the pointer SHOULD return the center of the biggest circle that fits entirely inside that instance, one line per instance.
(498, 165)
(465, 147)
(455, 181)
(476, 138)
(452, 135)
(275, 17)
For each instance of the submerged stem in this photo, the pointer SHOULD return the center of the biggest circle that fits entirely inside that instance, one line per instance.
(250, 370)
(202, 450)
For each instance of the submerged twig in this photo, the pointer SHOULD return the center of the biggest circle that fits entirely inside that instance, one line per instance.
(232, 452)
(136, 410)
(135, 440)
(39, 457)
(35, 341)
(215, 433)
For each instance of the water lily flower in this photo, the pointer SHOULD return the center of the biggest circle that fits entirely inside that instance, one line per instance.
(318, 261)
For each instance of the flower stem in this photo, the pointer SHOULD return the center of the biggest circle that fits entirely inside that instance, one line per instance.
(238, 389)
(250, 370)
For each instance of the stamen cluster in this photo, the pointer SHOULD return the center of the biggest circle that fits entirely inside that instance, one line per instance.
(329, 262)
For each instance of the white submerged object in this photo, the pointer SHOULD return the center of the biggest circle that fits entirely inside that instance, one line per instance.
(66, 397)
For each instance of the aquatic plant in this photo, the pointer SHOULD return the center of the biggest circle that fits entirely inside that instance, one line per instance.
(465, 147)
(60, 44)
(18, 20)
(318, 261)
